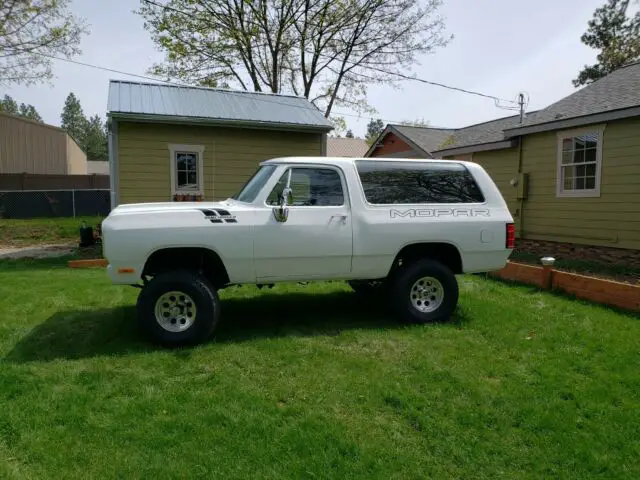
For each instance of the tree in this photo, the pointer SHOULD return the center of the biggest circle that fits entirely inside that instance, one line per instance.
(10, 106)
(418, 122)
(374, 129)
(31, 31)
(73, 119)
(94, 140)
(29, 111)
(339, 125)
(615, 35)
(349, 134)
(328, 51)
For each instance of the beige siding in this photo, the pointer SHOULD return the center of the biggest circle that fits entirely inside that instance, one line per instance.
(31, 147)
(613, 219)
(230, 156)
(76, 158)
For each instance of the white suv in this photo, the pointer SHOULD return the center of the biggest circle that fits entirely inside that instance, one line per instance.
(398, 227)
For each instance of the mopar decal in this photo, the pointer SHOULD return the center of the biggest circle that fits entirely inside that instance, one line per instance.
(439, 212)
(219, 216)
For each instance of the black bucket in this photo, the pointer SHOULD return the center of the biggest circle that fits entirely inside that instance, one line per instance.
(86, 236)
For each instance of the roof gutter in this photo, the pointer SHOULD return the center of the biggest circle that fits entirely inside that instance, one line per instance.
(147, 118)
(481, 147)
(562, 124)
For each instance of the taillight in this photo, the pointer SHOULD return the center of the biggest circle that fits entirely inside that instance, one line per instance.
(511, 236)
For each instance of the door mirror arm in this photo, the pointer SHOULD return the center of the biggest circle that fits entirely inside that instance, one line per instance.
(281, 212)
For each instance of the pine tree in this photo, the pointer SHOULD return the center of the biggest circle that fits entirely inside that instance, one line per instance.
(10, 106)
(615, 35)
(374, 129)
(73, 119)
(349, 134)
(94, 140)
(29, 111)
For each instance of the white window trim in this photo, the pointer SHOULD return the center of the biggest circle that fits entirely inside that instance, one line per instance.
(199, 149)
(574, 133)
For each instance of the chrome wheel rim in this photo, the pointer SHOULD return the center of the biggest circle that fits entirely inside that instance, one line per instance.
(175, 311)
(427, 294)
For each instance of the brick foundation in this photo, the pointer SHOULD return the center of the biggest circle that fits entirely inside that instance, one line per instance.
(572, 251)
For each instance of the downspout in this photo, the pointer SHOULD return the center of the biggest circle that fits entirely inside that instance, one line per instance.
(113, 158)
(520, 178)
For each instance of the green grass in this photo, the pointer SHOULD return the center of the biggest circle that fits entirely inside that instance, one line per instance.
(310, 382)
(35, 231)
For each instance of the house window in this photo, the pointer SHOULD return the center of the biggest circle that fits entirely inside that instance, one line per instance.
(579, 162)
(186, 169)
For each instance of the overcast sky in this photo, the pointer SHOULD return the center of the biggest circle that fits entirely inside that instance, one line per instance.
(501, 47)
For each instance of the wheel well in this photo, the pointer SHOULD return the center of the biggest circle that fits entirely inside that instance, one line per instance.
(444, 253)
(201, 260)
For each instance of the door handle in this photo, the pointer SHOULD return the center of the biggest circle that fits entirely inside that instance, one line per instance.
(342, 217)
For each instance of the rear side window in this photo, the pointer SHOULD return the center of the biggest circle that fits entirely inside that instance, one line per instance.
(409, 182)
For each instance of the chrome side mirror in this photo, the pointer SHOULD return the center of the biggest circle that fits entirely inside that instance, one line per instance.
(281, 212)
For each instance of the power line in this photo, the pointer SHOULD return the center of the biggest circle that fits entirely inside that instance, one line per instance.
(97, 67)
(496, 100)
(175, 84)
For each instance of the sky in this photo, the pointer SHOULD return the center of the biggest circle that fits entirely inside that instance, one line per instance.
(500, 47)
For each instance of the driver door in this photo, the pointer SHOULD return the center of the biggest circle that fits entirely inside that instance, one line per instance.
(316, 238)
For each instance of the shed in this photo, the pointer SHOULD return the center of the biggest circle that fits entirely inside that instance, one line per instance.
(191, 143)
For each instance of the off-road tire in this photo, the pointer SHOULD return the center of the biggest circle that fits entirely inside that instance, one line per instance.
(405, 292)
(198, 289)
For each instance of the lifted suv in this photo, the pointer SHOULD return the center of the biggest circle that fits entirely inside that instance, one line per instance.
(399, 227)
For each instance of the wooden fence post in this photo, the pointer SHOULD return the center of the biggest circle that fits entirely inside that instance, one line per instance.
(547, 272)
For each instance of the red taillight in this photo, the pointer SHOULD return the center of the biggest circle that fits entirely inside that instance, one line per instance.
(511, 236)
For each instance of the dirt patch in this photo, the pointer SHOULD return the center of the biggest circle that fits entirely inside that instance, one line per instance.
(36, 251)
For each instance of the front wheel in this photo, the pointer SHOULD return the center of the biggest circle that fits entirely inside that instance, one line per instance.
(178, 308)
(425, 291)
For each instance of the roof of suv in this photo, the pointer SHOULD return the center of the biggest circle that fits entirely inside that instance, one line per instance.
(341, 161)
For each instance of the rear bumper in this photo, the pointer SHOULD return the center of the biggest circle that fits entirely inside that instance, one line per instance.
(479, 262)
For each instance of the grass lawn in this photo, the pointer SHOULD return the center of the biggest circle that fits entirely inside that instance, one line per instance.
(34, 231)
(308, 382)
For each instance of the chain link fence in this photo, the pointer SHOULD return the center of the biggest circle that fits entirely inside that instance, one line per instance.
(54, 203)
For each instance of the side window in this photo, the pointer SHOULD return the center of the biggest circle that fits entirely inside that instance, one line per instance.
(417, 182)
(310, 187)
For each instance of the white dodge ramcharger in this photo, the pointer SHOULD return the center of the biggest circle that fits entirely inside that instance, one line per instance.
(395, 228)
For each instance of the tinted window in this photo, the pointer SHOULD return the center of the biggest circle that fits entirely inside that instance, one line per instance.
(310, 187)
(407, 182)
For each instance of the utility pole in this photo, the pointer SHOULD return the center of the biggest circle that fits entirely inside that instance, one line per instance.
(521, 103)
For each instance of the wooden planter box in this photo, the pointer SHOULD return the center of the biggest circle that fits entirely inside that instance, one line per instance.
(608, 292)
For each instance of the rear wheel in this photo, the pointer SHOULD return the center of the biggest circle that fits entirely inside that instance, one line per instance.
(178, 308)
(424, 291)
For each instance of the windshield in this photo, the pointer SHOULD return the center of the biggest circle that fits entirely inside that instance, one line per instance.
(251, 189)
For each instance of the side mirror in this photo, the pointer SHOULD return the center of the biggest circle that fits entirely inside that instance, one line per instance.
(281, 212)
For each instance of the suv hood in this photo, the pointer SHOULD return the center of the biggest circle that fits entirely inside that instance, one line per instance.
(138, 208)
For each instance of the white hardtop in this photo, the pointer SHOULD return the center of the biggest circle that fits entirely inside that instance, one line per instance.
(344, 161)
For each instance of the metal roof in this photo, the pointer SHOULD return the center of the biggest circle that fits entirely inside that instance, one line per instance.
(182, 103)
